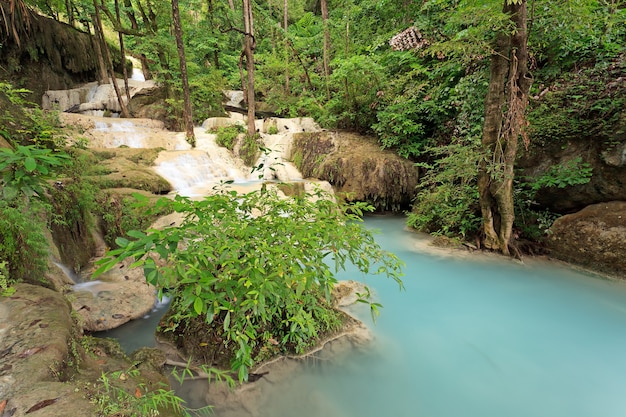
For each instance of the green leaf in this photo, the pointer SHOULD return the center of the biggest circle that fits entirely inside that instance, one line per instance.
(198, 305)
(227, 322)
(30, 164)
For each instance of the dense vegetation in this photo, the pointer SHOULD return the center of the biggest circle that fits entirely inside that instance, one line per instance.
(415, 74)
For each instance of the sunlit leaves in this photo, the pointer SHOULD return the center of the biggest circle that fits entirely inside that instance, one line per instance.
(256, 262)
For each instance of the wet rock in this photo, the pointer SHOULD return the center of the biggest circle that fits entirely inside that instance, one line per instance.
(120, 296)
(594, 237)
(35, 332)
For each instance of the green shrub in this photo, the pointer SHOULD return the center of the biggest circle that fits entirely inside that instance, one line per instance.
(447, 202)
(23, 242)
(250, 149)
(254, 270)
(120, 214)
(227, 136)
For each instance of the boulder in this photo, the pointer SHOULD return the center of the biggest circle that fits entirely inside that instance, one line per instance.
(121, 295)
(594, 237)
(35, 335)
(355, 165)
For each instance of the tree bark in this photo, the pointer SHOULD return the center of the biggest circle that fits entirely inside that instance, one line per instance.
(326, 47)
(109, 61)
(103, 78)
(122, 51)
(285, 27)
(505, 105)
(187, 113)
(248, 50)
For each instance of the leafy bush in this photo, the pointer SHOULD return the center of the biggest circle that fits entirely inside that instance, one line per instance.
(23, 242)
(447, 201)
(250, 149)
(255, 270)
(113, 397)
(120, 214)
(227, 136)
(26, 169)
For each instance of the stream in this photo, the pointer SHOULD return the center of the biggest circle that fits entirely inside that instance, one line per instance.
(477, 336)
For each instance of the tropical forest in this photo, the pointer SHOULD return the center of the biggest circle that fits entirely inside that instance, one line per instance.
(340, 208)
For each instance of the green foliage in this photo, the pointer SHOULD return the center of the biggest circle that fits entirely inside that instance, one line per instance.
(227, 136)
(359, 79)
(573, 172)
(206, 95)
(114, 396)
(26, 169)
(5, 289)
(533, 222)
(588, 104)
(568, 33)
(255, 268)
(121, 214)
(250, 149)
(23, 242)
(447, 202)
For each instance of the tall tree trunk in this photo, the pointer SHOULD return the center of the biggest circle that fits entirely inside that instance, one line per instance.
(187, 113)
(285, 27)
(70, 12)
(326, 48)
(505, 105)
(122, 51)
(109, 61)
(103, 78)
(248, 49)
(130, 14)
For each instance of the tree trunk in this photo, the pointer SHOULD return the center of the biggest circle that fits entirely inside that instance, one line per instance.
(326, 48)
(109, 61)
(285, 27)
(122, 51)
(103, 78)
(249, 54)
(505, 105)
(187, 113)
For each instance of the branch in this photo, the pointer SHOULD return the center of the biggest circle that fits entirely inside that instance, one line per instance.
(117, 26)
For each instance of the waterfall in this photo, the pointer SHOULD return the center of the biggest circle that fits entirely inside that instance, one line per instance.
(190, 172)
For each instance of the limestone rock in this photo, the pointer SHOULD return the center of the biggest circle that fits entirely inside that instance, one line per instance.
(356, 165)
(122, 295)
(594, 237)
(35, 332)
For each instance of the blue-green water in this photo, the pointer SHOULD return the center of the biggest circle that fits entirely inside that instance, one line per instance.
(472, 338)
(467, 338)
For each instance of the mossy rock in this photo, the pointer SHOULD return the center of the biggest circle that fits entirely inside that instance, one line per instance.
(357, 167)
(129, 168)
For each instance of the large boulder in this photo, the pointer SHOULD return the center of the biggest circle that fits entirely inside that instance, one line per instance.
(579, 120)
(122, 294)
(594, 237)
(47, 55)
(35, 335)
(355, 165)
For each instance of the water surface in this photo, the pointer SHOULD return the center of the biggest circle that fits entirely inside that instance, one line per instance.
(475, 338)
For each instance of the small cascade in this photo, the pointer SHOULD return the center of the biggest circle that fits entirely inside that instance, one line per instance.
(94, 287)
(113, 133)
(69, 272)
(137, 75)
(235, 98)
(192, 172)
